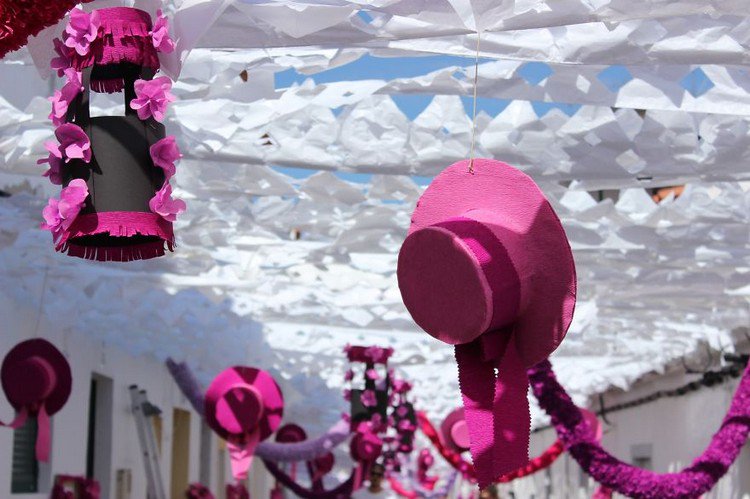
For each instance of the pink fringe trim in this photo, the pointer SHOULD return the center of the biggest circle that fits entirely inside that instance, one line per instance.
(118, 224)
(124, 36)
(111, 254)
(107, 86)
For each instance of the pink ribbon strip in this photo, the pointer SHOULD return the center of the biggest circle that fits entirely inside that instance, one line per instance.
(241, 455)
(497, 414)
(43, 436)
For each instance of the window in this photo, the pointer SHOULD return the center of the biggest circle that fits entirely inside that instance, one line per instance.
(25, 469)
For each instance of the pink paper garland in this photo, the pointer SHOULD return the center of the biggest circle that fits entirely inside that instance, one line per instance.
(700, 477)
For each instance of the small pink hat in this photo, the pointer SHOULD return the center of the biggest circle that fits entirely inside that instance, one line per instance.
(37, 381)
(244, 406)
(454, 432)
(487, 267)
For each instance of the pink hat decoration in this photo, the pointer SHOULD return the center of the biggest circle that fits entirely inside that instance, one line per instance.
(36, 379)
(454, 432)
(487, 267)
(244, 406)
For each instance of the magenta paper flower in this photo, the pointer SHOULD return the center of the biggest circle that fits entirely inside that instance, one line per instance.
(372, 374)
(402, 411)
(160, 34)
(401, 386)
(164, 153)
(349, 375)
(59, 214)
(74, 143)
(405, 425)
(64, 57)
(62, 99)
(55, 163)
(82, 30)
(368, 398)
(152, 98)
(347, 395)
(163, 204)
(376, 421)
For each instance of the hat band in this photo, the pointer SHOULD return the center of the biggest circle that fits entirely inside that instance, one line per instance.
(496, 265)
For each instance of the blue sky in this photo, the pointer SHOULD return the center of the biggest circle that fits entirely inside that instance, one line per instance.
(369, 67)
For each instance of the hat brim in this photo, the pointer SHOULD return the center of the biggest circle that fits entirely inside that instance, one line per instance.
(512, 196)
(39, 347)
(273, 400)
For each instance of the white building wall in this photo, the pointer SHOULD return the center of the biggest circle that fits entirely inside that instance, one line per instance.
(70, 425)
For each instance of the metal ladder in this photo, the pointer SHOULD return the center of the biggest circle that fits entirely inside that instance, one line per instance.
(142, 410)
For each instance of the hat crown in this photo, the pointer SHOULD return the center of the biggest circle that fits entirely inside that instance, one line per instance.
(458, 279)
(239, 409)
(32, 381)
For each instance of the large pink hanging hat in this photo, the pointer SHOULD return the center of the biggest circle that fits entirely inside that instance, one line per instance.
(454, 432)
(487, 267)
(244, 406)
(36, 379)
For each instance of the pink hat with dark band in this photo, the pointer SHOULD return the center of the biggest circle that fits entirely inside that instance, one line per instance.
(454, 432)
(487, 267)
(244, 406)
(37, 382)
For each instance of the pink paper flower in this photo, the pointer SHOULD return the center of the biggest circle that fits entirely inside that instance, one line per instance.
(64, 57)
(402, 411)
(62, 99)
(372, 374)
(164, 153)
(74, 143)
(347, 395)
(152, 98)
(82, 30)
(160, 34)
(369, 399)
(55, 163)
(348, 375)
(59, 214)
(163, 204)
(401, 386)
(405, 425)
(376, 422)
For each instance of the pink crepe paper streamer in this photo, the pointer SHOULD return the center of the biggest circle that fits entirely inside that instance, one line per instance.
(698, 478)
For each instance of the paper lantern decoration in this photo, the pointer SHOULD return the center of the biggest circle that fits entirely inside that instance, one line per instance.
(37, 382)
(487, 267)
(244, 406)
(370, 404)
(116, 203)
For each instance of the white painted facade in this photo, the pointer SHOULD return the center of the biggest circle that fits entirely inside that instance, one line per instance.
(117, 451)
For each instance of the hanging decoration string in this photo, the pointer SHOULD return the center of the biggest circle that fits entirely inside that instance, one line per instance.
(695, 480)
(474, 105)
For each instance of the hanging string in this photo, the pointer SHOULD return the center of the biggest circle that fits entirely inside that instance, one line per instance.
(40, 305)
(474, 105)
